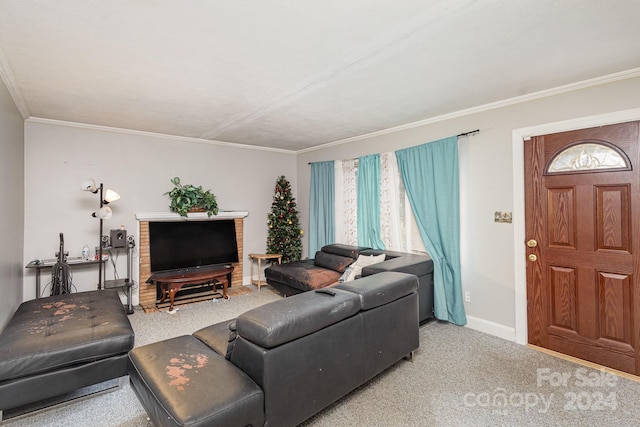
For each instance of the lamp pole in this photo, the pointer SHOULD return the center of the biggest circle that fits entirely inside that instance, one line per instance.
(102, 213)
(90, 185)
(100, 242)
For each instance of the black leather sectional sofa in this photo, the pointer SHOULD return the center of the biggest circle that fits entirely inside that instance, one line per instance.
(331, 262)
(279, 364)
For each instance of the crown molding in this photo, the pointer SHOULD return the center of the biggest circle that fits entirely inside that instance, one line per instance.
(153, 134)
(597, 81)
(12, 86)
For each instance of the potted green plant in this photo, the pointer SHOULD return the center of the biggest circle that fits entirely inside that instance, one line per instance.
(187, 197)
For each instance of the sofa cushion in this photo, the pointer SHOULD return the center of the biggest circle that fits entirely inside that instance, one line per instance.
(303, 275)
(51, 333)
(355, 269)
(181, 382)
(343, 250)
(332, 262)
(381, 289)
(285, 320)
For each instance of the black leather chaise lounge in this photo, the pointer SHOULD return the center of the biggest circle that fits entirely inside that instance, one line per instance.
(62, 343)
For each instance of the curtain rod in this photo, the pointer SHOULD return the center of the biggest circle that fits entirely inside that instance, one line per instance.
(468, 133)
(459, 135)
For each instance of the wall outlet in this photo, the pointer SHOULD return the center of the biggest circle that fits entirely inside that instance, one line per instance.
(467, 296)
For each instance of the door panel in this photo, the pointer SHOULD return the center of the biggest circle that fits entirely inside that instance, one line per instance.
(562, 232)
(616, 306)
(613, 226)
(563, 298)
(582, 189)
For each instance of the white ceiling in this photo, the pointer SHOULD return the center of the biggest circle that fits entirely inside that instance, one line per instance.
(296, 74)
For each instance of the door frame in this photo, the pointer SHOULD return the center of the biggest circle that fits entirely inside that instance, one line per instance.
(519, 136)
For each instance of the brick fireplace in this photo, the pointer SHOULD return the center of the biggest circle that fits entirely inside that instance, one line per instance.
(148, 296)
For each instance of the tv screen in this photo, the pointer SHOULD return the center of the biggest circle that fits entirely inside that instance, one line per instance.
(182, 244)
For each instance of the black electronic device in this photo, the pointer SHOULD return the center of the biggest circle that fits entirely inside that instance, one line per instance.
(182, 244)
(118, 238)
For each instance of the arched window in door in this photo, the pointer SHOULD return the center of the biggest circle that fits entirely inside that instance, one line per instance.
(588, 156)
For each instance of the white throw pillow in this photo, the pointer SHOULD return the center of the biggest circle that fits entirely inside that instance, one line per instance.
(356, 268)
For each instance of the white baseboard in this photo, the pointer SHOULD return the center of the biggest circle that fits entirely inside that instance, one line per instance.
(491, 328)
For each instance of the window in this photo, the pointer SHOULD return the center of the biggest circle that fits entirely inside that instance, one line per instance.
(588, 157)
(411, 239)
(398, 225)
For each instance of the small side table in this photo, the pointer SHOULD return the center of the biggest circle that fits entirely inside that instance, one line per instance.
(261, 257)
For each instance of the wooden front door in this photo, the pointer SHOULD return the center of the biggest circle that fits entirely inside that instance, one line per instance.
(582, 202)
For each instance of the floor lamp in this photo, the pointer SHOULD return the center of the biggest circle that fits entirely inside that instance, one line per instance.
(103, 213)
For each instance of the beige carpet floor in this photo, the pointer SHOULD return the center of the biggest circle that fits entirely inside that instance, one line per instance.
(458, 377)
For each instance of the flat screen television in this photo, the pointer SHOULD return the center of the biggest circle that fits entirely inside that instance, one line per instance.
(175, 245)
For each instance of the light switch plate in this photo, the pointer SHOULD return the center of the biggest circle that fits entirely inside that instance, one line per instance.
(501, 216)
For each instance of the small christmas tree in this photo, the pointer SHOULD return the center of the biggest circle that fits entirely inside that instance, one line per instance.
(284, 234)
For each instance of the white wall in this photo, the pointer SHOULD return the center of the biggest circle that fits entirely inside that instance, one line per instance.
(139, 167)
(487, 185)
(11, 214)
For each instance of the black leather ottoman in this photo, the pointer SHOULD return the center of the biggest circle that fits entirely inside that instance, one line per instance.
(58, 344)
(183, 382)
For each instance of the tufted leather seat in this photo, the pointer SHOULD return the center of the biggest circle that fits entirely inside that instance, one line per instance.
(61, 343)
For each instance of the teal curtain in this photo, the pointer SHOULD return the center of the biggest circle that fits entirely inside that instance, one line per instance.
(430, 175)
(369, 202)
(321, 206)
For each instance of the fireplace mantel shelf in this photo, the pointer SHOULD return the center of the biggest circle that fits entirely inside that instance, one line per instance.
(199, 216)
